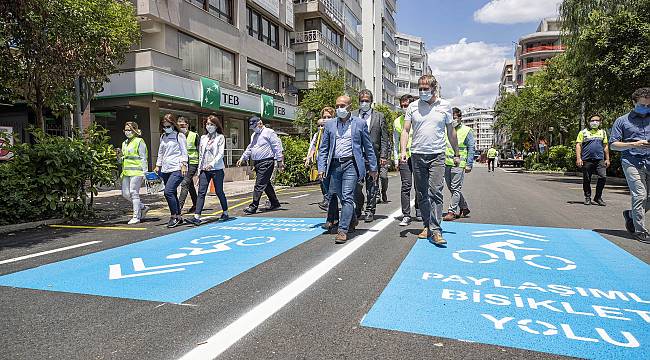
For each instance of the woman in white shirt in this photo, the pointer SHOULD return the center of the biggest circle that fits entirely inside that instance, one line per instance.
(211, 149)
(172, 165)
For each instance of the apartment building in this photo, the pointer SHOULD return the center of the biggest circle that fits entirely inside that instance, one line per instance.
(379, 49)
(533, 50)
(412, 62)
(240, 47)
(481, 121)
(507, 84)
(327, 36)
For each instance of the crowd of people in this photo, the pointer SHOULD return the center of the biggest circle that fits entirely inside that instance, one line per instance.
(352, 149)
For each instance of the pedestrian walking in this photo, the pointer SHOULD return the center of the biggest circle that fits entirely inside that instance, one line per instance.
(341, 158)
(312, 155)
(171, 165)
(187, 186)
(378, 133)
(430, 118)
(405, 168)
(491, 158)
(455, 173)
(630, 136)
(211, 168)
(264, 150)
(592, 155)
(134, 165)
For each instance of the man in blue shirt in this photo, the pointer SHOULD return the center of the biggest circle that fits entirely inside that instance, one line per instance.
(630, 135)
(592, 155)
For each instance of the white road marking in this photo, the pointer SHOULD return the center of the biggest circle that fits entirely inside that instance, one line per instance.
(224, 339)
(48, 252)
(299, 196)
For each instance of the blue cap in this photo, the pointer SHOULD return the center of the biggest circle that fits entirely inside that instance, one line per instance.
(252, 122)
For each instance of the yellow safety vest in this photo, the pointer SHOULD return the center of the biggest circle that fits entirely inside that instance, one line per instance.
(131, 161)
(461, 134)
(313, 173)
(398, 125)
(492, 153)
(192, 151)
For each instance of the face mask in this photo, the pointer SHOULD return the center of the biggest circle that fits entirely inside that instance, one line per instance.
(425, 95)
(128, 133)
(594, 124)
(342, 113)
(211, 128)
(455, 123)
(184, 130)
(641, 109)
(257, 130)
(365, 106)
(169, 130)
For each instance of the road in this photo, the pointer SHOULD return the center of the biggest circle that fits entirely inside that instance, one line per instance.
(312, 299)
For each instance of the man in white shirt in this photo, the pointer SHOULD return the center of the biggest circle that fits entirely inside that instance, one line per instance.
(429, 119)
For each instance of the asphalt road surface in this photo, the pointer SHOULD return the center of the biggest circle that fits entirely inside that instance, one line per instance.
(309, 299)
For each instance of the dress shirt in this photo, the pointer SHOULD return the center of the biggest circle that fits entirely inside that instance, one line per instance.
(264, 145)
(172, 152)
(343, 139)
(629, 128)
(367, 116)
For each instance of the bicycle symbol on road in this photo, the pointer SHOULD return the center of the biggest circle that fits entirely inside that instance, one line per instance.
(504, 250)
(220, 244)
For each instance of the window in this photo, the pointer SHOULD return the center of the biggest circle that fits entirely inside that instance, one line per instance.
(261, 76)
(402, 70)
(352, 51)
(416, 72)
(312, 24)
(402, 42)
(351, 21)
(306, 66)
(219, 8)
(205, 59)
(263, 29)
(331, 35)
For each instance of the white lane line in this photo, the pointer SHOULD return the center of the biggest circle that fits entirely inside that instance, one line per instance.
(48, 252)
(221, 341)
(299, 196)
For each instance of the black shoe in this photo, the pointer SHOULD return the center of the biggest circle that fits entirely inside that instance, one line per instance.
(587, 201)
(629, 223)
(224, 217)
(194, 221)
(642, 237)
(353, 225)
(600, 202)
(323, 205)
(192, 210)
(384, 198)
(250, 210)
(174, 222)
(273, 207)
(370, 217)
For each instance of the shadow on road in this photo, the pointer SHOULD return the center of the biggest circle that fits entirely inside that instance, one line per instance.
(614, 232)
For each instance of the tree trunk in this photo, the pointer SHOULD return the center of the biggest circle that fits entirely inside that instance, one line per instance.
(40, 121)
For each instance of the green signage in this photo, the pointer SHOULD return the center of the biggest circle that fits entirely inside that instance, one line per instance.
(267, 109)
(210, 94)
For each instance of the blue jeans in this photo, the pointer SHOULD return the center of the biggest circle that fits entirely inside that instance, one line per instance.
(204, 180)
(172, 181)
(343, 181)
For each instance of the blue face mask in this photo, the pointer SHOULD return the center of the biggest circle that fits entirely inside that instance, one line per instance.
(642, 109)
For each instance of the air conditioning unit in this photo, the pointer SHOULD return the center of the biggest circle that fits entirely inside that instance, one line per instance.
(149, 26)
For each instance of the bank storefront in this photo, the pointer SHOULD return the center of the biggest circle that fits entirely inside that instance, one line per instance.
(145, 96)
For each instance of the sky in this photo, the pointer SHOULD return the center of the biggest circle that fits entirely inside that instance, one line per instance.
(469, 40)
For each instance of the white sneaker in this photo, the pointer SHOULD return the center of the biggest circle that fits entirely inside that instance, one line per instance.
(406, 221)
(134, 221)
(143, 211)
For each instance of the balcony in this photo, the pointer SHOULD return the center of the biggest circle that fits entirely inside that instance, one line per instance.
(325, 7)
(416, 66)
(315, 36)
(291, 57)
(389, 19)
(390, 65)
(389, 86)
(534, 64)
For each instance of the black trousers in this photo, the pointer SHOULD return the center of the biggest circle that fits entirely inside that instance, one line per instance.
(589, 168)
(263, 172)
(491, 164)
(372, 191)
(188, 186)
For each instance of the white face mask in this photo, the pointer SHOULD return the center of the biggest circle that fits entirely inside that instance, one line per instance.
(365, 106)
(183, 130)
(169, 130)
(211, 128)
(594, 124)
(257, 130)
(342, 113)
(425, 95)
(128, 133)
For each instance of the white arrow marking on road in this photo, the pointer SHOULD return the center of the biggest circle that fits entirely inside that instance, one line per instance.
(299, 196)
(499, 232)
(115, 270)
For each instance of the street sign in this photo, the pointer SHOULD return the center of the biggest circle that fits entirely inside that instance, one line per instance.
(174, 267)
(561, 291)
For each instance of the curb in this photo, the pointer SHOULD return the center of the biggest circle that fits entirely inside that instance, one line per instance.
(30, 225)
(610, 179)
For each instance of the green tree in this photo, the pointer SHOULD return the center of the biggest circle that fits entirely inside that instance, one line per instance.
(327, 88)
(46, 44)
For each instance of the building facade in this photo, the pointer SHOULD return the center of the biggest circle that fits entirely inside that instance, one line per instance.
(533, 50)
(327, 36)
(379, 49)
(507, 84)
(481, 121)
(243, 45)
(412, 62)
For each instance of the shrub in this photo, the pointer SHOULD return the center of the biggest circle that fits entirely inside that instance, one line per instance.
(295, 173)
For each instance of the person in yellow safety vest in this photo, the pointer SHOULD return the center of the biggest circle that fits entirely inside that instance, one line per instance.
(193, 155)
(134, 165)
(592, 155)
(312, 155)
(405, 168)
(455, 174)
(491, 155)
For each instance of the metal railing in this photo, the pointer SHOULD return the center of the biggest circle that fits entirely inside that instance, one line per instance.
(544, 48)
(329, 6)
(303, 37)
(534, 64)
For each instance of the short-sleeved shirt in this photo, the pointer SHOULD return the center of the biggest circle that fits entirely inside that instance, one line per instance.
(593, 143)
(428, 125)
(628, 128)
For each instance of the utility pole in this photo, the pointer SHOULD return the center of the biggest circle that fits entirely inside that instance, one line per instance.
(77, 97)
(582, 116)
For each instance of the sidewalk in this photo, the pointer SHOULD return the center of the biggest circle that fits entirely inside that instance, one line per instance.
(232, 188)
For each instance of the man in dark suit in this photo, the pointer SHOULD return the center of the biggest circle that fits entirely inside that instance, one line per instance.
(381, 144)
(341, 157)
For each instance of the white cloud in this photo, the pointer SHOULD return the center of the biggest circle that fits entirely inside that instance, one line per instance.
(516, 11)
(469, 73)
